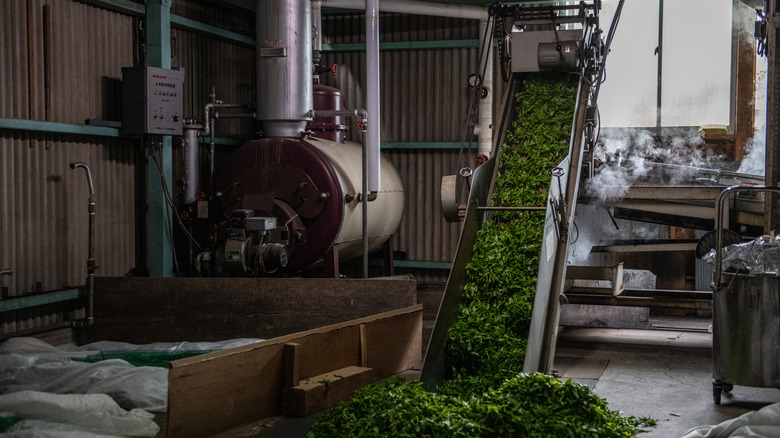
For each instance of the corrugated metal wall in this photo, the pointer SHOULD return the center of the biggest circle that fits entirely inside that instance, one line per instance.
(62, 66)
(424, 98)
(209, 62)
(62, 63)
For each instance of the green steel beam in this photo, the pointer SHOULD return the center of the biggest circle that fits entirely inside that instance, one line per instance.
(126, 7)
(63, 128)
(24, 302)
(247, 5)
(186, 23)
(224, 141)
(104, 131)
(422, 264)
(159, 244)
(403, 45)
(421, 145)
(101, 131)
(417, 264)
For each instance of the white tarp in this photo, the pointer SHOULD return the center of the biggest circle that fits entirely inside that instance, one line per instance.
(77, 415)
(107, 398)
(763, 423)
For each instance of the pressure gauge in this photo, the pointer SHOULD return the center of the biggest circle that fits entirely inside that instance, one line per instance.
(475, 80)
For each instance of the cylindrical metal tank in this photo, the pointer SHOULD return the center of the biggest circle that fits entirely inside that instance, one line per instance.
(311, 186)
(284, 66)
(329, 128)
(746, 330)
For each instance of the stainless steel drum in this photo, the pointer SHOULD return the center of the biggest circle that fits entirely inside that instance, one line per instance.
(746, 320)
(746, 332)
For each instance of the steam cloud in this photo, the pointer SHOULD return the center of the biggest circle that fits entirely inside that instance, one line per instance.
(630, 155)
(753, 163)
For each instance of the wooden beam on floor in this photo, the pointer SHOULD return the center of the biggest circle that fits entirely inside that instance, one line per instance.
(214, 392)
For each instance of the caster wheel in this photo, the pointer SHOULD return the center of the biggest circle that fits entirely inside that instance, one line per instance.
(717, 390)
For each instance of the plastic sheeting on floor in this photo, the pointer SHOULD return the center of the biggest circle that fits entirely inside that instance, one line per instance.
(763, 423)
(75, 415)
(35, 374)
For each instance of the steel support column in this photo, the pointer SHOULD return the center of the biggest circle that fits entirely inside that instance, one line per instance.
(772, 207)
(158, 54)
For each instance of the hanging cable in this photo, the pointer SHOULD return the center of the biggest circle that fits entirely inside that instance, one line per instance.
(156, 158)
(607, 46)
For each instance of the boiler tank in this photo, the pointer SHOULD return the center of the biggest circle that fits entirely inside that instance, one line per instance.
(312, 187)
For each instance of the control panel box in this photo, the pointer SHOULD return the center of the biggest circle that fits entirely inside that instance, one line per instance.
(152, 100)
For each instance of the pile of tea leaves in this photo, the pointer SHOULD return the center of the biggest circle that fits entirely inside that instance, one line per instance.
(485, 393)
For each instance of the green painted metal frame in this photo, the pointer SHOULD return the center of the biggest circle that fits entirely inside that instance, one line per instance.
(127, 7)
(404, 45)
(134, 9)
(186, 23)
(62, 128)
(412, 264)
(41, 299)
(159, 244)
(100, 131)
(421, 145)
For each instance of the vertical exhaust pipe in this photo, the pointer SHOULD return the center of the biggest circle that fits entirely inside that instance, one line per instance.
(91, 266)
(372, 94)
(285, 93)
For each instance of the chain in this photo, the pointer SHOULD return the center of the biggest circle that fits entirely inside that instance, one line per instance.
(504, 49)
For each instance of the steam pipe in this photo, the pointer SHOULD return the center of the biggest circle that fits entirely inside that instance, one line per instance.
(484, 129)
(366, 195)
(89, 320)
(209, 115)
(191, 174)
(316, 24)
(372, 96)
(362, 113)
(417, 7)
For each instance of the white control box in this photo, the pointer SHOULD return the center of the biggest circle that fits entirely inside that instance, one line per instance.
(152, 100)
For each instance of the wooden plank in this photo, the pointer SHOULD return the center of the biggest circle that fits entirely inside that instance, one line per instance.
(217, 391)
(324, 391)
(586, 368)
(291, 364)
(144, 310)
(363, 346)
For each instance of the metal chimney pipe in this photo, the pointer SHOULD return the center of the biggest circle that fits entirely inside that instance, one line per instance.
(284, 66)
(372, 94)
(191, 164)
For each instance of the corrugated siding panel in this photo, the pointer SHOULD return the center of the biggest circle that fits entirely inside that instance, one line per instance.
(217, 14)
(44, 206)
(230, 68)
(423, 233)
(424, 93)
(43, 202)
(350, 28)
(424, 98)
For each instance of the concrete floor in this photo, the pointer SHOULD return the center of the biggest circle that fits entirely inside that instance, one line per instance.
(662, 374)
